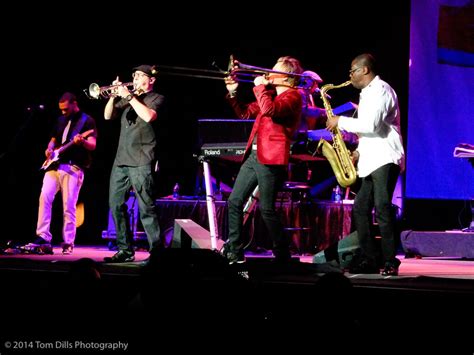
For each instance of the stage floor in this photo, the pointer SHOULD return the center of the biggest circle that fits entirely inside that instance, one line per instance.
(435, 267)
(420, 276)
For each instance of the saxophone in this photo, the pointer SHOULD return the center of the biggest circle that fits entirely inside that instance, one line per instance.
(337, 154)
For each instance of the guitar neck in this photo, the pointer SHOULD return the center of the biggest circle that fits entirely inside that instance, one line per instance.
(65, 146)
(68, 144)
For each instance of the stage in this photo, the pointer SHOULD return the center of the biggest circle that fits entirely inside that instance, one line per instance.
(181, 291)
(50, 297)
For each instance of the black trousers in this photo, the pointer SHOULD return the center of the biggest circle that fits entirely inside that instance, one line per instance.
(269, 179)
(376, 190)
(141, 179)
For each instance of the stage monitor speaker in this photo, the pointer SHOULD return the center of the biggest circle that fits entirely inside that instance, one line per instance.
(189, 234)
(439, 244)
(347, 248)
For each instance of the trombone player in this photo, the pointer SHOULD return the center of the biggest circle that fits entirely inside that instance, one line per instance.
(138, 109)
(277, 112)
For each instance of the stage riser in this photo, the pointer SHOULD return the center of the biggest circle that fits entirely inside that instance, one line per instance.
(438, 244)
(189, 234)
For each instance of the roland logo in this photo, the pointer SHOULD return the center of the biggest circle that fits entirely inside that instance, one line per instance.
(212, 152)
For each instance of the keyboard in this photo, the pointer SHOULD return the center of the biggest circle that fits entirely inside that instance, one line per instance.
(223, 149)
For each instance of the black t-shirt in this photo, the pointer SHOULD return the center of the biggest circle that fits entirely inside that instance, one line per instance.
(138, 140)
(75, 154)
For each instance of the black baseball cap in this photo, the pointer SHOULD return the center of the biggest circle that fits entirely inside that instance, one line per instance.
(149, 70)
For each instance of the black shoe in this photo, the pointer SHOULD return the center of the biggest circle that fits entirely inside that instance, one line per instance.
(67, 248)
(38, 246)
(120, 257)
(38, 241)
(391, 268)
(235, 258)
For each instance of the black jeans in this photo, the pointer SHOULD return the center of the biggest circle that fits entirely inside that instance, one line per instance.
(268, 178)
(376, 191)
(141, 179)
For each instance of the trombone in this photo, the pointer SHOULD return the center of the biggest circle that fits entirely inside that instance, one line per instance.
(239, 71)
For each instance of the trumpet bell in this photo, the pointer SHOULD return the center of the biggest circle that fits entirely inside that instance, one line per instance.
(94, 91)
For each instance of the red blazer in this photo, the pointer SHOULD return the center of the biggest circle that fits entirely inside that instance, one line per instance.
(276, 119)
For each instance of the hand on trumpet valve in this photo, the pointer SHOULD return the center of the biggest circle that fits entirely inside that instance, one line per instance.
(123, 91)
(114, 87)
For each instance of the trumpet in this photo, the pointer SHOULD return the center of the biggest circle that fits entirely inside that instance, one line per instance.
(96, 91)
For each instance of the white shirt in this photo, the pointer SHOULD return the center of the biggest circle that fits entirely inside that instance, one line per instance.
(378, 128)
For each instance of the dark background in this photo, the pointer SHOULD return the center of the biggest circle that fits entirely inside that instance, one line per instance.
(53, 50)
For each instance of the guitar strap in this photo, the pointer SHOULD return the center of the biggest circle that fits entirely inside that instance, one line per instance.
(66, 131)
(79, 124)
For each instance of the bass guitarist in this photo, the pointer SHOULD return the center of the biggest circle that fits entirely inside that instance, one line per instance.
(76, 131)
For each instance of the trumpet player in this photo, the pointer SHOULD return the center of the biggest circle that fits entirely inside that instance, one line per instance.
(135, 159)
(277, 112)
(380, 160)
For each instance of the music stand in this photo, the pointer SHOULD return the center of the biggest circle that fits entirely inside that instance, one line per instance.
(465, 150)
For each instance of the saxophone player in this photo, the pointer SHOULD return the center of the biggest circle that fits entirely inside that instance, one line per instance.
(380, 160)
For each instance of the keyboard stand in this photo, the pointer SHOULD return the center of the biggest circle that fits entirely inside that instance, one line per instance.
(210, 202)
(211, 205)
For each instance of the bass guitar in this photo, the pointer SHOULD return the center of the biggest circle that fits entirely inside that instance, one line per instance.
(57, 152)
